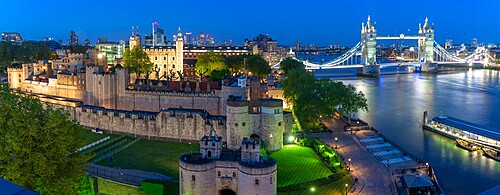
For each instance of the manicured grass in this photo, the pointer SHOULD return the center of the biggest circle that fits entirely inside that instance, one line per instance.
(330, 188)
(151, 155)
(89, 136)
(107, 187)
(298, 164)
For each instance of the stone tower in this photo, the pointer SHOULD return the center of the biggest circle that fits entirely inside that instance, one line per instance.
(426, 44)
(179, 54)
(135, 38)
(250, 150)
(369, 39)
(211, 145)
(237, 122)
(272, 123)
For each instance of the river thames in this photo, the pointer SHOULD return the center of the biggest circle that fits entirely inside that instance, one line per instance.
(397, 103)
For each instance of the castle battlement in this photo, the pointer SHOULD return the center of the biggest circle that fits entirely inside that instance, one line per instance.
(240, 171)
(172, 93)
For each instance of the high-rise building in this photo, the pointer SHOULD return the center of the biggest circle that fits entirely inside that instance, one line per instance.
(473, 42)
(87, 43)
(102, 40)
(187, 39)
(73, 38)
(297, 45)
(13, 37)
(114, 50)
(159, 38)
(448, 44)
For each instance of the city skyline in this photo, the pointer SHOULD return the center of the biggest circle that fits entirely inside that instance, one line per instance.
(286, 21)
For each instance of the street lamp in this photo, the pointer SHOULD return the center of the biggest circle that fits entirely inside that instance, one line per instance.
(336, 143)
(349, 164)
(346, 188)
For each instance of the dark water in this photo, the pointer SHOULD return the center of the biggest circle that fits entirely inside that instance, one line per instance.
(397, 103)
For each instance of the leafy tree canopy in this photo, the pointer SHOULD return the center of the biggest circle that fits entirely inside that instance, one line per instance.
(136, 60)
(209, 62)
(38, 144)
(289, 63)
(258, 66)
(77, 48)
(24, 53)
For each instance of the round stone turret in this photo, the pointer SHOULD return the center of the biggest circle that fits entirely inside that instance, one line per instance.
(238, 122)
(272, 123)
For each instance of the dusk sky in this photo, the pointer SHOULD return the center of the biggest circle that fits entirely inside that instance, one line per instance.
(321, 22)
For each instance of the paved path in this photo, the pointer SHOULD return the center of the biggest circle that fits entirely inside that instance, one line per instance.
(373, 176)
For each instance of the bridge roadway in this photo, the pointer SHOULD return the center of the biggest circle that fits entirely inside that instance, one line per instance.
(373, 176)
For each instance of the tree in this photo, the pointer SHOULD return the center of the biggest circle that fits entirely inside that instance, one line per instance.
(136, 60)
(218, 75)
(77, 48)
(235, 63)
(258, 66)
(351, 101)
(312, 97)
(289, 63)
(38, 144)
(209, 62)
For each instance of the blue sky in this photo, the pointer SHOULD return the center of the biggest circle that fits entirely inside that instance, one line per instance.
(321, 22)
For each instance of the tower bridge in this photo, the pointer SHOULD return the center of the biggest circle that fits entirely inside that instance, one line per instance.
(430, 53)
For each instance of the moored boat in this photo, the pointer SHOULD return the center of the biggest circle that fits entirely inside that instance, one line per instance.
(494, 154)
(467, 145)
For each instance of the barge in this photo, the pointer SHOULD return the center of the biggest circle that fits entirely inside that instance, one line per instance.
(491, 153)
(472, 133)
(467, 145)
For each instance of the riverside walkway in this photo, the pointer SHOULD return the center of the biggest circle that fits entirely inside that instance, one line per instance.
(373, 176)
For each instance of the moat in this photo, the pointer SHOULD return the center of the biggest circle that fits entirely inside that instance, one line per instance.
(396, 106)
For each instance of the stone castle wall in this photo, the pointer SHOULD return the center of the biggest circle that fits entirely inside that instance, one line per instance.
(171, 124)
(216, 175)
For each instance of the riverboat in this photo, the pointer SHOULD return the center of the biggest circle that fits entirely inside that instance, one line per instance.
(494, 154)
(454, 128)
(467, 145)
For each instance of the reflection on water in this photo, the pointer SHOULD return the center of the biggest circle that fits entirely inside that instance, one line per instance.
(397, 103)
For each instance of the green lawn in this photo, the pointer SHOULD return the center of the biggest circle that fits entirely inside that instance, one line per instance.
(298, 164)
(330, 188)
(151, 155)
(89, 136)
(107, 187)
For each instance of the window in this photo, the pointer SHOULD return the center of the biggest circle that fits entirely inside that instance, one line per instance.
(193, 178)
(164, 58)
(271, 180)
(156, 58)
(276, 111)
(173, 58)
(236, 124)
(234, 174)
(173, 66)
(209, 154)
(243, 124)
(256, 182)
(218, 173)
(19, 75)
(164, 66)
(279, 123)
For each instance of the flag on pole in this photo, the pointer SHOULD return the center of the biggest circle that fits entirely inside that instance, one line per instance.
(156, 23)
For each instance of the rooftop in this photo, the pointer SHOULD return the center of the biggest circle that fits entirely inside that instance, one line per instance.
(417, 180)
(468, 126)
